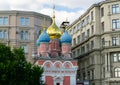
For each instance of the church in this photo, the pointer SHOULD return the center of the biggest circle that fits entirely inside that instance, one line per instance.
(54, 55)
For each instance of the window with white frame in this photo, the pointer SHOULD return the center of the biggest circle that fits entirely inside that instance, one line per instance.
(24, 21)
(88, 19)
(24, 35)
(79, 25)
(25, 48)
(117, 72)
(115, 9)
(3, 20)
(74, 29)
(3, 34)
(115, 23)
(116, 57)
(92, 16)
(115, 41)
(82, 23)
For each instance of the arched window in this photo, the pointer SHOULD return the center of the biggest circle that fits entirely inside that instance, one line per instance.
(117, 72)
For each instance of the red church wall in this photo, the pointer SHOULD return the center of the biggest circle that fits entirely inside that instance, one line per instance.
(40, 62)
(74, 63)
(66, 80)
(49, 80)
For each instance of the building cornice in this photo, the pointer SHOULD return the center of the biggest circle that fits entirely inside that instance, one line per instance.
(18, 12)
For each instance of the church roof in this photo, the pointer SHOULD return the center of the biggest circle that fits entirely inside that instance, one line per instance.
(44, 37)
(66, 38)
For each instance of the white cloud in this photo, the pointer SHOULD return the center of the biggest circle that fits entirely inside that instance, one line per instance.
(38, 6)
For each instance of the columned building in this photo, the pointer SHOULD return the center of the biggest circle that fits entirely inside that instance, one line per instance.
(21, 29)
(96, 43)
(54, 55)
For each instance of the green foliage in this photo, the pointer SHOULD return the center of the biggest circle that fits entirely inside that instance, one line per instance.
(15, 70)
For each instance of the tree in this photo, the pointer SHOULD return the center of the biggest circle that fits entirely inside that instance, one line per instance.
(15, 70)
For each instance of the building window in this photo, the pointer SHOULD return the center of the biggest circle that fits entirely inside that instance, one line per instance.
(92, 29)
(116, 57)
(83, 49)
(88, 75)
(79, 25)
(115, 41)
(24, 21)
(83, 36)
(74, 41)
(92, 74)
(88, 32)
(92, 44)
(87, 47)
(102, 12)
(78, 38)
(78, 52)
(115, 8)
(92, 16)
(115, 23)
(25, 48)
(88, 19)
(103, 41)
(24, 35)
(103, 72)
(102, 25)
(3, 34)
(84, 76)
(117, 72)
(74, 54)
(82, 23)
(75, 29)
(3, 20)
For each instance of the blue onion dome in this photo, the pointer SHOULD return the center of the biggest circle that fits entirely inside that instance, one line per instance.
(44, 37)
(66, 38)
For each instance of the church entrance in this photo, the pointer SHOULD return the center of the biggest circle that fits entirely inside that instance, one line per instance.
(58, 84)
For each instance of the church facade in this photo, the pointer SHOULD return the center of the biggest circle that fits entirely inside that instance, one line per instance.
(54, 55)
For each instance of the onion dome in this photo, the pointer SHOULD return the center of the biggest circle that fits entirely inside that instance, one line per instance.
(53, 30)
(66, 38)
(44, 37)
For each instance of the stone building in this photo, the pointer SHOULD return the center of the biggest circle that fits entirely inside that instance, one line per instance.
(21, 28)
(96, 43)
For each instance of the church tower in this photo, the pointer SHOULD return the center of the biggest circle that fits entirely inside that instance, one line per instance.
(54, 55)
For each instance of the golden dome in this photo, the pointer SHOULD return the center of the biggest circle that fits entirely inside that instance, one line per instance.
(53, 30)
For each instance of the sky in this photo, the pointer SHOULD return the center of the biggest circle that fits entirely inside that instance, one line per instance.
(64, 9)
